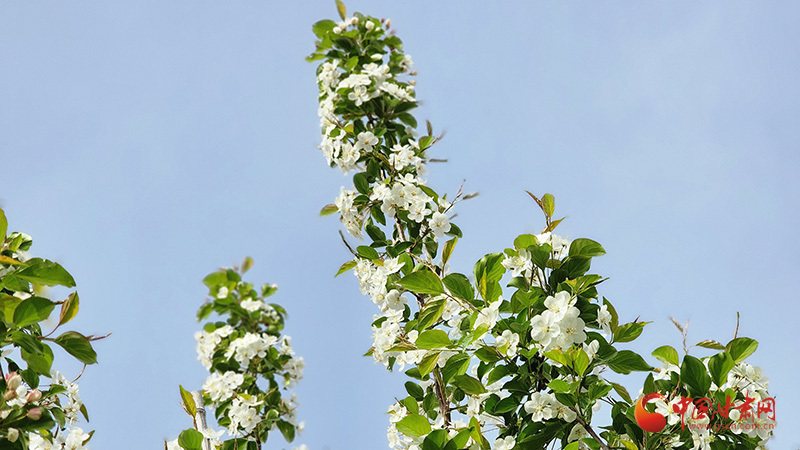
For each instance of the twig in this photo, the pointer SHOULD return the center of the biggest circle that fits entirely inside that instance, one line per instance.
(589, 430)
(200, 418)
(346, 244)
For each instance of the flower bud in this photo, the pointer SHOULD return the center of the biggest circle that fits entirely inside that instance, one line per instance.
(13, 434)
(370, 25)
(10, 395)
(34, 396)
(13, 380)
(34, 413)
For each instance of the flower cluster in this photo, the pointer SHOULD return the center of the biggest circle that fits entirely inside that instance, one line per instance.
(532, 363)
(34, 414)
(250, 362)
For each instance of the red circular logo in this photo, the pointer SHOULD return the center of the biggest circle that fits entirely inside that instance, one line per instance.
(649, 421)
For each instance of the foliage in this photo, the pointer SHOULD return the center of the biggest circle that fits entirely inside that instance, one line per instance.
(533, 360)
(39, 405)
(250, 362)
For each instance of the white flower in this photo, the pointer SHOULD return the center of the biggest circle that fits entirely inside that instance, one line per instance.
(242, 415)
(578, 432)
(563, 412)
(540, 406)
(591, 349)
(39, 443)
(572, 332)
(506, 443)
(604, 320)
(366, 141)
(440, 224)
(488, 316)
(744, 375)
(73, 440)
(251, 305)
(294, 368)
(250, 346)
(519, 264)
(562, 305)
(544, 329)
(221, 387)
(507, 341)
(702, 439)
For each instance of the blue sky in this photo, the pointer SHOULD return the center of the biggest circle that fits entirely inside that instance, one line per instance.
(144, 144)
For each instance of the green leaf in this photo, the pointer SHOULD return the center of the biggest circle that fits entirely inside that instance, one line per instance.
(614, 315)
(408, 119)
(422, 282)
(247, 264)
(448, 250)
(341, 9)
(741, 348)
(8, 304)
(32, 310)
(628, 332)
(27, 342)
(548, 204)
(431, 339)
(468, 384)
(3, 226)
(709, 343)
(360, 179)
(287, 430)
(460, 440)
(560, 386)
(322, 27)
(488, 270)
(626, 361)
(415, 390)
(580, 362)
(459, 285)
(488, 354)
(585, 248)
(78, 346)
(719, 365)
(69, 309)
(414, 425)
(430, 314)
(11, 261)
(44, 272)
(622, 392)
(345, 267)
(558, 356)
(39, 362)
(188, 402)
(190, 439)
(367, 252)
(350, 65)
(328, 209)
(425, 141)
(436, 440)
(455, 365)
(428, 363)
(695, 375)
(523, 241)
(667, 354)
